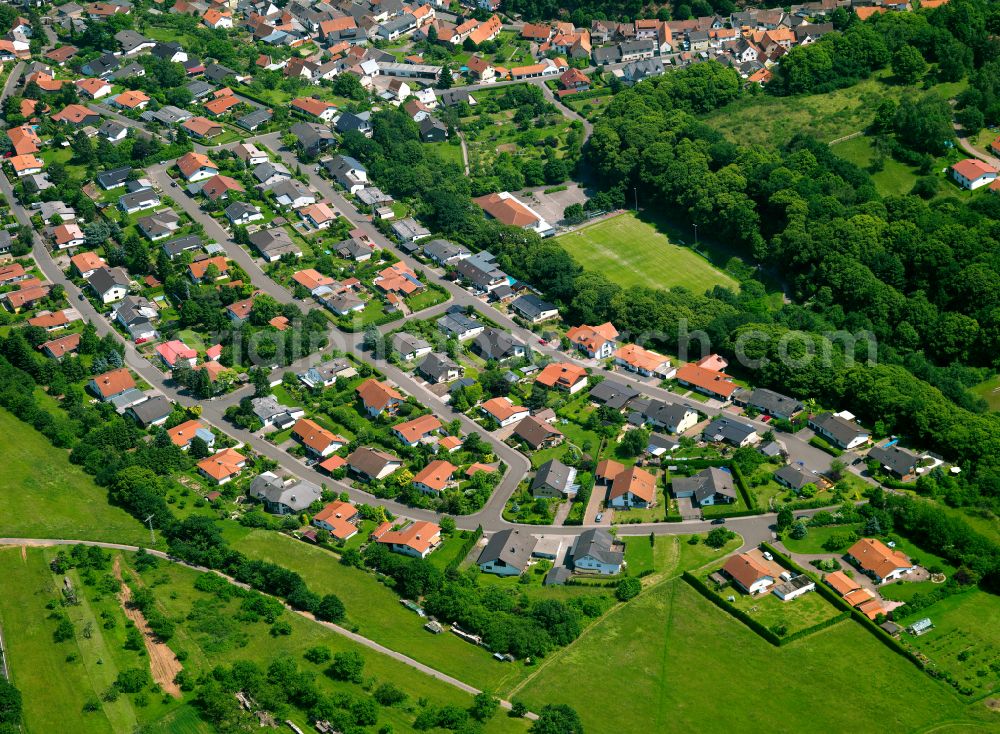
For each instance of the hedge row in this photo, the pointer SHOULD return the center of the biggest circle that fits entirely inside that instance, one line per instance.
(884, 637)
(467, 546)
(749, 497)
(718, 601)
(824, 446)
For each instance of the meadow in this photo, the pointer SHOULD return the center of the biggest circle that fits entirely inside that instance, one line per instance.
(686, 665)
(632, 252)
(374, 611)
(47, 497)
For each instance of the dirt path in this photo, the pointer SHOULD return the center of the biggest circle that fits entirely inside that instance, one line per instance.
(163, 664)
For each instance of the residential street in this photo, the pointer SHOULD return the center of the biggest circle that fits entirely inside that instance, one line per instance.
(753, 529)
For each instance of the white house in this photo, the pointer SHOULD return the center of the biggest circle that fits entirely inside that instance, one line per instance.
(973, 173)
(597, 551)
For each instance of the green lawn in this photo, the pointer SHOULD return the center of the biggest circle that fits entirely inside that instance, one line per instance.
(634, 253)
(895, 179)
(798, 614)
(44, 496)
(688, 666)
(375, 609)
(962, 642)
(447, 151)
(989, 391)
(816, 537)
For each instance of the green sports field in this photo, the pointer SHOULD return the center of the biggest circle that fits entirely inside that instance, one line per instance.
(631, 252)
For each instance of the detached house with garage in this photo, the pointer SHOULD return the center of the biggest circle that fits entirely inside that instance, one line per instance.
(877, 560)
(597, 551)
(564, 376)
(597, 342)
(707, 381)
(507, 553)
(899, 462)
(633, 487)
(435, 477)
(417, 431)
(339, 519)
(748, 573)
(710, 486)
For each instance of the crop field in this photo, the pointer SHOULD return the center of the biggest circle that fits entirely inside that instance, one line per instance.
(633, 253)
(44, 496)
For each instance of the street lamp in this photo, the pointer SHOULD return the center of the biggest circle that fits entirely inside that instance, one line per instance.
(635, 193)
(696, 236)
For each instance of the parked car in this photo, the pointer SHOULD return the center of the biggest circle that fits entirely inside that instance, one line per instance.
(599, 517)
(719, 521)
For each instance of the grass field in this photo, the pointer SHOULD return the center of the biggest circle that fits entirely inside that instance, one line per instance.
(633, 253)
(962, 642)
(893, 180)
(375, 609)
(44, 496)
(989, 391)
(773, 121)
(688, 666)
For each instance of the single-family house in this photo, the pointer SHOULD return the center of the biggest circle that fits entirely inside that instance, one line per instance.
(222, 466)
(109, 385)
(504, 412)
(633, 487)
(414, 538)
(597, 342)
(564, 376)
(316, 440)
(507, 553)
(378, 397)
(555, 479)
(597, 551)
(877, 560)
(372, 464)
(839, 430)
(282, 497)
(748, 573)
(710, 486)
(435, 477)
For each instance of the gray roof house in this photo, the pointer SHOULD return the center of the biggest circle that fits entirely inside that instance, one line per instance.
(312, 137)
(532, 308)
(711, 486)
(273, 243)
(554, 479)
(443, 252)
(731, 431)
(281, 497)
(507, 553)
(348, 172)
(274, 414)
(840, 431)
(409, 230)
(151, 412)
(409, 346)
(498, 345)
(769, 402)
(597, 551)
(437, 368)
(614, 394)
(187, 243)
(460, 326)
(793, 477)
(896, 460)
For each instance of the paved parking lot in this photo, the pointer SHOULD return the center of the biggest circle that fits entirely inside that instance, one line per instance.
(551, 206)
